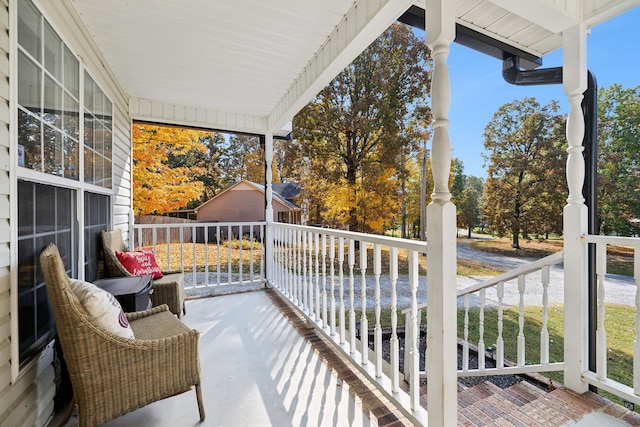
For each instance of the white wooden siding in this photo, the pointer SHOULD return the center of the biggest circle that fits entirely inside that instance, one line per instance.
(8, 396)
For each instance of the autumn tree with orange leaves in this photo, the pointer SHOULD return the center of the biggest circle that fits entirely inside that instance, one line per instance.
(157, 186)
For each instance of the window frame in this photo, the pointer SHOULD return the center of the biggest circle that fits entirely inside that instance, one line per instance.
(78, 184)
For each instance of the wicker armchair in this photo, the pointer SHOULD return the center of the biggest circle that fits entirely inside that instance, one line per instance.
(167, 290)
(111, 375)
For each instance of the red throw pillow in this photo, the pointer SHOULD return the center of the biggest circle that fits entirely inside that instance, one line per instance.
(140, 263)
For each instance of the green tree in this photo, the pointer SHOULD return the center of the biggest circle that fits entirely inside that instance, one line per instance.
(361, 128)
(525, 145)
(203, 160)
(618, 161)
(468, 205)
(459, 180)
(243, 158)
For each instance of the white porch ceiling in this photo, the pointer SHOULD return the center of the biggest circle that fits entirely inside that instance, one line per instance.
(250, 65)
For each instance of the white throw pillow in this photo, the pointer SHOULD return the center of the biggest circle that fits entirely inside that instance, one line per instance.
(102, 306)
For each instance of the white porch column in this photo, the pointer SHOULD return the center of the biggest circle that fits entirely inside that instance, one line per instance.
(441, 230)
(268, 210)
(575, 214)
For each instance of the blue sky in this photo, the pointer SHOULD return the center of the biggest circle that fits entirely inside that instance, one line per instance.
(478, 90)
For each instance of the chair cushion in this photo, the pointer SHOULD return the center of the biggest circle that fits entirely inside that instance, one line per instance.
(140, 263)
(103, 307)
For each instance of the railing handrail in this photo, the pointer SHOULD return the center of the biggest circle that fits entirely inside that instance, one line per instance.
(612, 240)
(509, 275)
(513, 274)
(414, 245)
(199, 224)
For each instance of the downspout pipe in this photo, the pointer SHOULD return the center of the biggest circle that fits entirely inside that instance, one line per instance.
(514, 74)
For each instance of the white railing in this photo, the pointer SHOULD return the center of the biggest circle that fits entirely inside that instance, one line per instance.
(600, 378)
(491, 295)
(317, 269)
(210, 254)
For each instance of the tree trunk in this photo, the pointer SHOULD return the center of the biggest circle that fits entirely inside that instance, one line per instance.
(469, 234)
(515, 228)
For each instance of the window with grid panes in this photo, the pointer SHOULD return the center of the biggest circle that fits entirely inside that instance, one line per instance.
(50, 113)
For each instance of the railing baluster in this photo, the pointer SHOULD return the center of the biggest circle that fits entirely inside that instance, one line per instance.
(140, 241)
(481, 346)
(206, 255)
(465, 344)
(299, 278)
(181, 248)
(636, 342)
(283, 257)
(500, 340)
(262, 251)
(292, 265)
(316, 248)
(240, 253)
(544, 333)
(414, 387)
(341, 308)
(364, 324)
(195, 252)
(601, 333)
(153, 240)
(251, 254)
(229, 253)
(305, 285)
(332, 290)
(218, 250)
(408, 339)
(310, 297)
(377, 341)
(395, 348)
(292, 270)
(286, 266)
(324, 281)
(521, 339)
(352, 312)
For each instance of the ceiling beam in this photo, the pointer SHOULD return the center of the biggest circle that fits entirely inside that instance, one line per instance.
(183, 115)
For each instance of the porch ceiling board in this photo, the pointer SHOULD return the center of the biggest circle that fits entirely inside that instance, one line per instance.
(238, 58)
(248, 65)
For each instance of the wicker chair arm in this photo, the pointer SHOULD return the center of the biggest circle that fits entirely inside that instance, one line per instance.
(135, 315)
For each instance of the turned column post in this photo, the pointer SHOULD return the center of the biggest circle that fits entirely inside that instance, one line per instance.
(441, 230)
(575, 215)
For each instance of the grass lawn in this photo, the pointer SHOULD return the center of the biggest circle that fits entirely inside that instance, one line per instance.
(208, 255)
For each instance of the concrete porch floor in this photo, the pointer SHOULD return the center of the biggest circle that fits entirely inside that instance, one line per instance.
(259, 369)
